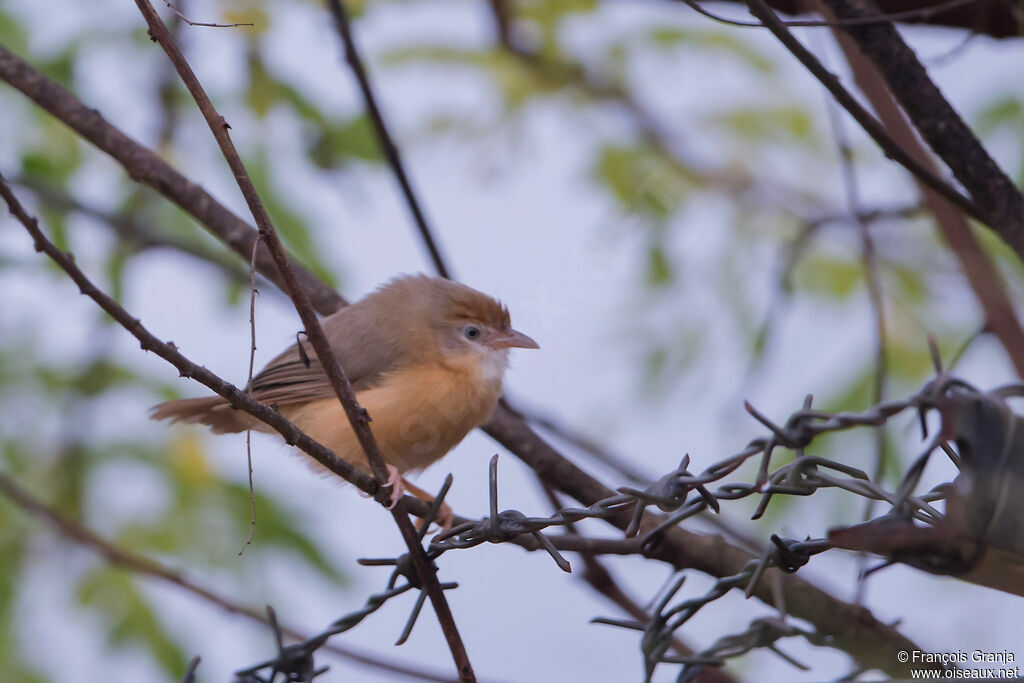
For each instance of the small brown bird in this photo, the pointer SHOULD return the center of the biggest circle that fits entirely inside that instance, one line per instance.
(425, 356)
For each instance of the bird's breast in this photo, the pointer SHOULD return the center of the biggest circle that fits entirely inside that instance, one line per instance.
(417, 414)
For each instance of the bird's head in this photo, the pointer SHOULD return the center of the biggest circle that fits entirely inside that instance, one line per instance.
(468, 328)
(474, 329)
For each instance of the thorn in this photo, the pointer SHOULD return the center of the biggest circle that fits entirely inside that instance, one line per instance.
(933, 349)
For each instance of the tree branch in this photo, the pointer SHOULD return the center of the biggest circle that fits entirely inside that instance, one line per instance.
(387, 143)
(133, 233)
(981, 273)
(995, 18)
(939, 124)
(357, 416)
(118, 556)
(292, 435)
(146, 167)
(868, 122)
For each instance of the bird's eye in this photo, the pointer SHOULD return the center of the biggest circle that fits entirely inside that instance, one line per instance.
(471, 332)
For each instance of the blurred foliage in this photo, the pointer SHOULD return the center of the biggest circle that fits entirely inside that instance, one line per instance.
(702, 290)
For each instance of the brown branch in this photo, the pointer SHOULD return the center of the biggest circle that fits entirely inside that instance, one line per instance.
(982, 274)
(868, 122)
(919, 13)
(118, 556)
(292, 435)
(596, 450)
(131, 232)
(357, 416)
(995, 18)
(146, 167)
(936, 120)
(387, 143)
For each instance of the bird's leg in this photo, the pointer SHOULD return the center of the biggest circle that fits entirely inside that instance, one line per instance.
(444, 513)
(396, 483)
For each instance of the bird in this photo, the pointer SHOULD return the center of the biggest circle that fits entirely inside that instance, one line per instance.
(426, 357)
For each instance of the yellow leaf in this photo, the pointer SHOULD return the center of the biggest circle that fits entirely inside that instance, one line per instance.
(188, 459)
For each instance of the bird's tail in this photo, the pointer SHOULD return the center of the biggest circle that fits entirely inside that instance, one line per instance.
(213, 411)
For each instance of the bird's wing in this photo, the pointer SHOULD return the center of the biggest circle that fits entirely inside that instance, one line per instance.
(359, 344)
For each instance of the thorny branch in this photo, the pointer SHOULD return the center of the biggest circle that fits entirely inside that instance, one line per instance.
(146, 167)
(357, 416)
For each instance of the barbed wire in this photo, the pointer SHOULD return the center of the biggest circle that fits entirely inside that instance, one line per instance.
(296, 662)
(681, 494)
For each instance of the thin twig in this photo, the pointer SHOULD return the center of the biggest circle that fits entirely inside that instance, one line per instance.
(868, 122)
(981, 272)
(292, 435)
(147, 167)
(357, 416)
(200, 23)
(936, 121)
(870, 263)
(387, 143)
(253, 292)
(918, 13)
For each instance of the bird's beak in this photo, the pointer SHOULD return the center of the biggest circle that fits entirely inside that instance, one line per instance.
(512, 339)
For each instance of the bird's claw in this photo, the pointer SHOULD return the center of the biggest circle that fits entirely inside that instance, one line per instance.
(395, 483)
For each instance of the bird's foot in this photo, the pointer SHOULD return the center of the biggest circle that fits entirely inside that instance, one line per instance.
(396, 484)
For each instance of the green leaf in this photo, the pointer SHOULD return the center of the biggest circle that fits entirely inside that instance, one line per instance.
(12, 35)
(517, 82)
(1003, 111)
(289, 225)
(13, 543)
(779, 123)
(342, 142)
(55, 155)
(908, 361)
(116, 262)
(642, 182)
(131, 620)
(660, 272)
(62, 67)
(914, 285)
(835, 278)
(730, 44)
